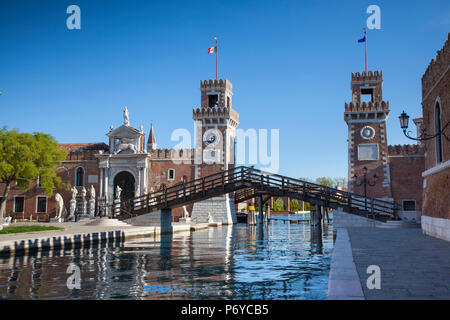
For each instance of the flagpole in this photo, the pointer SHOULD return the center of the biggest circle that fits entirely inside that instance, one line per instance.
(365, 46)
(216, 55)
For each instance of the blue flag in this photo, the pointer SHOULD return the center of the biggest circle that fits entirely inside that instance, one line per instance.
(362, 40)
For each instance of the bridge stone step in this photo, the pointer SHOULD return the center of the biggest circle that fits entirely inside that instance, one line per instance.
(221, 210)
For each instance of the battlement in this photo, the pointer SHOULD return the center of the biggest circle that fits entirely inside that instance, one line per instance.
(172, 154)
(367, 106)
(405, 150)
(217, 112)
(216, 84)
(369, 76)
(436, 68)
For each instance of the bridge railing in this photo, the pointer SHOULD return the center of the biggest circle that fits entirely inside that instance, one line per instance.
(321, 192)
(244, 177)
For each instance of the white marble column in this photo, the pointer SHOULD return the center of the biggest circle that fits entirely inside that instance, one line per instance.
(101, 182)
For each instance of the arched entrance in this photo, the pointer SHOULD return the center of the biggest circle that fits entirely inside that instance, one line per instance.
(125, 181)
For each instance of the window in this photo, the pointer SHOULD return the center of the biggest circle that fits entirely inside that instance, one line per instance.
(212, 100)
(437, 128)
(171, 175)
(39, 181)
(79, 177)
(366, 94)
(41, 205)
(19, 202)
(409, 205)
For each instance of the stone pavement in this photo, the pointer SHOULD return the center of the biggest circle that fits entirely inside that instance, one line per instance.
(413, 265)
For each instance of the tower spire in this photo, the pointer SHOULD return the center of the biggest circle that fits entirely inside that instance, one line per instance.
(151, 143)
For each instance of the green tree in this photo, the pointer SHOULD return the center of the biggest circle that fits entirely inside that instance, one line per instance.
(24, 157)
(325, 181)
(340, 182)
(278, 205)
(295, 205)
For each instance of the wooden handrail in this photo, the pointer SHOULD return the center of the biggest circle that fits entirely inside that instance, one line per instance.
(249, 180)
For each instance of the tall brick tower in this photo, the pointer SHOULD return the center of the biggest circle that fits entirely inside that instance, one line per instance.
(215, 125)
(366, 117)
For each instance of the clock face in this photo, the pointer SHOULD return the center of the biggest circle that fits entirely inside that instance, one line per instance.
(367, 132)
(211, 137)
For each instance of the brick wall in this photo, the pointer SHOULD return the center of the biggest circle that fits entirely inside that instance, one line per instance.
(436, 88)
(407, 164)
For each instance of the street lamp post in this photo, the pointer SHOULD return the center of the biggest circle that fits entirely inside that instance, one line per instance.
(365, 182)
(404, 118)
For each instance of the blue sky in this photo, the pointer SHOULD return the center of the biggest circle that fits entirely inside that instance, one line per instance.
(289, 62)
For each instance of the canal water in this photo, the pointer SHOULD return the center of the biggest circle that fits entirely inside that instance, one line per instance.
(282, 260)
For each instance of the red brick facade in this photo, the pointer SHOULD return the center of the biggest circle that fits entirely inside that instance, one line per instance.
(395, 171)
(126, 153)
(81, 155)
(436, 98)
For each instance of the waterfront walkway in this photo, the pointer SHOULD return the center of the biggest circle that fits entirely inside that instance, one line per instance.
(413, 265)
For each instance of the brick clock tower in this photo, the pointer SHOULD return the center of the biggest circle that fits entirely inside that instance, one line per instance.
(215, 132)
(366, 117)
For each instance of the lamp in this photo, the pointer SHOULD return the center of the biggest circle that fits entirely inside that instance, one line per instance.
(404, 118)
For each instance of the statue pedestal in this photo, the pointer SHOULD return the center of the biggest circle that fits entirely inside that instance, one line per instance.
(84, 208)
(187, 220)
(91, 208)
(116, 207)
(73, 206)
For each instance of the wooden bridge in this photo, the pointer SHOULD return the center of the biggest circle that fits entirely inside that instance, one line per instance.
(248, 183)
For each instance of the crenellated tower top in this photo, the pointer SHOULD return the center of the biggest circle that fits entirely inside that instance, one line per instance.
(436, 68)
(367, 85)
(367, 98)
(216, 92)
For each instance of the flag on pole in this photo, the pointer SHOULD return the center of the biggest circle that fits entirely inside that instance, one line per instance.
(364, 39)
(212, 50)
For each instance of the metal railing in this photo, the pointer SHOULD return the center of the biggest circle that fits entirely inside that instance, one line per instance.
(245, 178)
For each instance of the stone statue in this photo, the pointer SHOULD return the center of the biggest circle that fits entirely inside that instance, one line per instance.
(138, 190)
(74, 192)
(185, 213)
(141, 128)
(125, 144)
(126, 115)
(59, 205)
(118, 192)
(92, 192)
(83, 193)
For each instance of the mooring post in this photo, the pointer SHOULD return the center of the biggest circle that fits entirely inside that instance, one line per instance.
(316, 216)
(260, 209)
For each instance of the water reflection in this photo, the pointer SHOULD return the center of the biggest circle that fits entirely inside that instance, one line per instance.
(274, 261)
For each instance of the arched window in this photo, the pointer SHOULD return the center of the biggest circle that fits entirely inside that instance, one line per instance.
(171, 175)
(438, 128)
(79, 177)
